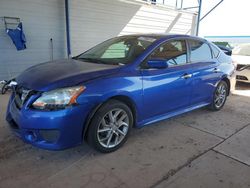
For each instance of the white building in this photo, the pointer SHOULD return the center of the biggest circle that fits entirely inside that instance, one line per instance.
(90, 23)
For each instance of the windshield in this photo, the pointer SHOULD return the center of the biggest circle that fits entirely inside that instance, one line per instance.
(118, 51)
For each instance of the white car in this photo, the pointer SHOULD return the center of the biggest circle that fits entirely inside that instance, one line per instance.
(241, 57)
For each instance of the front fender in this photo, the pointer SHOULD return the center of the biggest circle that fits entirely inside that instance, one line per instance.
(101, 90)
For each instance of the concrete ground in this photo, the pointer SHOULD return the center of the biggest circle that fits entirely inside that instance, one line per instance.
(197, 149)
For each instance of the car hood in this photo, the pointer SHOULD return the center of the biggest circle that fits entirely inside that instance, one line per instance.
(241, 59)
(62, 73)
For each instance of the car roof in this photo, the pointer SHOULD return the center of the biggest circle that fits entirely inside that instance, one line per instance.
(166, 36)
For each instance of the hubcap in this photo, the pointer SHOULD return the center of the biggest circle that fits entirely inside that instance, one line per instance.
(220, 95)
(113, 128)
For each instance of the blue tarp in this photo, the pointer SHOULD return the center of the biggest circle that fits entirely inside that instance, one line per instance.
(17, 36)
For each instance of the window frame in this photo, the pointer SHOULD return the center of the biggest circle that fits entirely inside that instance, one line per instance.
(189, 47)
(144, 61)
(216, 47)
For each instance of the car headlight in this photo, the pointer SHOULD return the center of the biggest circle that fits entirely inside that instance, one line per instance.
(58, 99)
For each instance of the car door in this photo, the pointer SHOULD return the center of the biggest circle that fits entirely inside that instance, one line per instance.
(205, 71)
(166, 90)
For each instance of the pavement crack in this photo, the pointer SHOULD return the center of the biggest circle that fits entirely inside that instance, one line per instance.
(172, 172)
(204, 131)
(238, 130)
(231, 157)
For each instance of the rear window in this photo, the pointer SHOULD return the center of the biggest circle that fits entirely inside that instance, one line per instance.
(200, 51)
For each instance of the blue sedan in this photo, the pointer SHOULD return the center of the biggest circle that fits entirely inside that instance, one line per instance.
(124, 82)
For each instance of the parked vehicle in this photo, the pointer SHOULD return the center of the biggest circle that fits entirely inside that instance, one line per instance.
(226, 50)
(2, 86)
(6, 85)
(128, 81)
(241, 57)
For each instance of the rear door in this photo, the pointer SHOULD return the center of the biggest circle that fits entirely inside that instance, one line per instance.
(205, 71)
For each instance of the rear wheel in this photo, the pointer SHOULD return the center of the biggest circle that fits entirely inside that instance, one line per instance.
(110, 126)
(220, 96)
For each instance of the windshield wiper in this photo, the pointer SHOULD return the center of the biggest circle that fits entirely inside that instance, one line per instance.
(98, 61)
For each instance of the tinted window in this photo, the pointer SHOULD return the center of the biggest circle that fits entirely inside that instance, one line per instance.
(200, 51)
(175, 52)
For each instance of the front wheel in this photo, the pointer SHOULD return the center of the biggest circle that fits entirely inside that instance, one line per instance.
(220, 96)
(110, 126)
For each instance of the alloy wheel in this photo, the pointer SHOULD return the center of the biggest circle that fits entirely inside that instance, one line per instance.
(220, 95)
(113, 128)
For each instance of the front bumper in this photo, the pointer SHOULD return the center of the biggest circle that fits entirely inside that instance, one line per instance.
(53, 130)
(243, 74)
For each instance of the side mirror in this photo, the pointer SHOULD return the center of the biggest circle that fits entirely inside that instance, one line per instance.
(157, 63)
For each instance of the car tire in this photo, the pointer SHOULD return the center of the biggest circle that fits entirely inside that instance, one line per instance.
(110, 126)
(219, 96)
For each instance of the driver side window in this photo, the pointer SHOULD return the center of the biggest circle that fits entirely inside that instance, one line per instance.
(175, 52)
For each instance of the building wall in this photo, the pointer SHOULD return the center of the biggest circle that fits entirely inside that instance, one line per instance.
(42, 20)
(91, 22)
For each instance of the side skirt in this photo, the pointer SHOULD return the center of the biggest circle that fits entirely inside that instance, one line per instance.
(170, 114)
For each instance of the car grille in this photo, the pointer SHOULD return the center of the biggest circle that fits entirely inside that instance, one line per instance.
(21, 95)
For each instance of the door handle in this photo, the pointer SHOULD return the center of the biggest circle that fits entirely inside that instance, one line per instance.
(186, 76)
(216, 70)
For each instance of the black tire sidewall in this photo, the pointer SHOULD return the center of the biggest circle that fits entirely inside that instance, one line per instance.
(93, 127)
